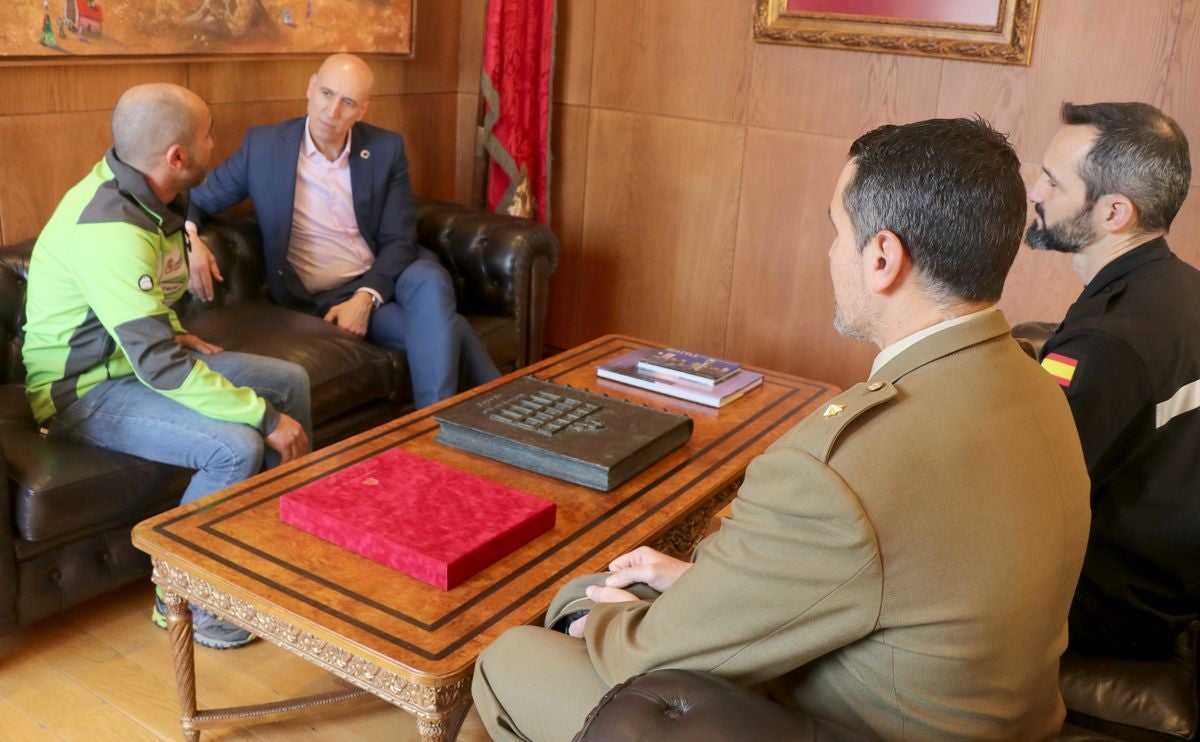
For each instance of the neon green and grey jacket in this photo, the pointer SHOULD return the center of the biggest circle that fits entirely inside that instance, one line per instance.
(103, 276)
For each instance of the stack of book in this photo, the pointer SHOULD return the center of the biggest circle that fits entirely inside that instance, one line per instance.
(692, 376)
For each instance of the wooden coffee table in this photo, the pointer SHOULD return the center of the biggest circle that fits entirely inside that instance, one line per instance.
(406, 642)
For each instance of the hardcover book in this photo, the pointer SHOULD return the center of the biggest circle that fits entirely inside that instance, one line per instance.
(563, 432)
(627, 370)
(695, 367)
(430, 521)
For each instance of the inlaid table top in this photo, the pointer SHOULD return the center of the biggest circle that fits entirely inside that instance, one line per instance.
(414, 644)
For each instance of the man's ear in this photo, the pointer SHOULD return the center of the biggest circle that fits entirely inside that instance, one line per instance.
(885, 261)
(1116, 212)
(177, 157)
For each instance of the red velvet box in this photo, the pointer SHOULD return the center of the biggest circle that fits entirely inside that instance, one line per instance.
(431, 522)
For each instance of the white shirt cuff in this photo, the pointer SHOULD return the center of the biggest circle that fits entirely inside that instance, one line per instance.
(376, 297)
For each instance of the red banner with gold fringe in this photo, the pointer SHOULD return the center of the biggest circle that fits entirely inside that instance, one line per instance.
(518, 60)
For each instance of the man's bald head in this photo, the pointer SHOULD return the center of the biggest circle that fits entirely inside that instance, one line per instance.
(355, 68)
(338, 97)
(150, 118)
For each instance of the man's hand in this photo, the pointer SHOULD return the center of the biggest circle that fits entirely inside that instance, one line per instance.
(600, 594)
(288, 438)
(202, 267)
(352, 315)
(191, 342)
(644, 564)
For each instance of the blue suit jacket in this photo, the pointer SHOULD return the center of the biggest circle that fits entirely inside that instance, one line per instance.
(264, 169)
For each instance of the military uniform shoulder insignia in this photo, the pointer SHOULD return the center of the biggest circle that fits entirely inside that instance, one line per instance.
(1062, 368)
(817, 433)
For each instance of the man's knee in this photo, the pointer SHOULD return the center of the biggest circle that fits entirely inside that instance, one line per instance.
(237, 453)
(425, 281)
(286, 375)
(497, 671)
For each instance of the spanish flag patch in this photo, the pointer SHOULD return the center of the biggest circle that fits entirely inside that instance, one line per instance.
(1060, 367)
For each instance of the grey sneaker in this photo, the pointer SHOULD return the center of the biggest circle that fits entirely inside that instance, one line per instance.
(207, 629)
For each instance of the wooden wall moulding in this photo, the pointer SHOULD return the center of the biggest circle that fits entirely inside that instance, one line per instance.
(998, 31)
(116, 30)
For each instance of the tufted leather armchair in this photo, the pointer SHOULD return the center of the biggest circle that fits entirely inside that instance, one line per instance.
(683, 706)
(66, 510)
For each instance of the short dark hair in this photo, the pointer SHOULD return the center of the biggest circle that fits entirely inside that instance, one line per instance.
(951, 190)
(1141, 153)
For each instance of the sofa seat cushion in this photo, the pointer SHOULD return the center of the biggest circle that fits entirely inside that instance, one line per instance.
(344, 371)
(1136, 699)
(61, 487)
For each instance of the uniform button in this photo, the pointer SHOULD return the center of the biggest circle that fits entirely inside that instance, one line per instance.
(874, 386)
(55, 575)
(279, 272)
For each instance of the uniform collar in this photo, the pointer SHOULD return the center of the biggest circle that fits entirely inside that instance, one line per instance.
(974, 329)
(904, 343)
(132, 182)
(1148, 252)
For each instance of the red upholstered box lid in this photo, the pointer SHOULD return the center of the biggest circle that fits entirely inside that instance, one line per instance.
(429, 521)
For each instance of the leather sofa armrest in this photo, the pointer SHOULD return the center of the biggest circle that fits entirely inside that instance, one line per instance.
(8, 566)
(679, 705)
(14, 272)
(1135, 698)
(682, 705)
(500, 265)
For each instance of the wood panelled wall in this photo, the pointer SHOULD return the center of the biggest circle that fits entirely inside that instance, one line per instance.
(693, 166)
(54, 118)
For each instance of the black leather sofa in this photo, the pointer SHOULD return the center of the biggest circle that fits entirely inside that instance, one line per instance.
(66, 510)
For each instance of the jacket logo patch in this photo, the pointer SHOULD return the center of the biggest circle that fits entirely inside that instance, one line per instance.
(1061, 367)
(145, 283)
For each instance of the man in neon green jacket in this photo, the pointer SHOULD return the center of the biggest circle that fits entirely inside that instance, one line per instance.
(107, 361)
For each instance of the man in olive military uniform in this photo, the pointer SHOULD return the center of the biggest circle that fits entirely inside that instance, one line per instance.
(900, 564)
(1128, 357)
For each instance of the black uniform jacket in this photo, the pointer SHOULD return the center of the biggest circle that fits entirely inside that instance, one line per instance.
(1128, 356)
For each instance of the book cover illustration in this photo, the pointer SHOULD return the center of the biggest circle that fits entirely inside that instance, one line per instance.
(695, 367)
(627, 369)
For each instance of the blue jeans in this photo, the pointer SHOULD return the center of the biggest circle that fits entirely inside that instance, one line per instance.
(444, 353)
(126, 415)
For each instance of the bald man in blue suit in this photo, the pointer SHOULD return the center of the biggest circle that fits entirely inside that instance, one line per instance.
(336, 211)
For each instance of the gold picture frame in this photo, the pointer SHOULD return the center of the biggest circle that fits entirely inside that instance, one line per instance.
(929, 29)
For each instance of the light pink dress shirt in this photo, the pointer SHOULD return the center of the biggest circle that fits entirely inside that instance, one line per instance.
(326, 248)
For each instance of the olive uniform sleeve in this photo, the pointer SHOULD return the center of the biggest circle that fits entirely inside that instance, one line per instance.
(794, 574)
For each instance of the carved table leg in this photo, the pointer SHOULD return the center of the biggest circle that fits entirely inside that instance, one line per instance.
(179, 628)
(444, 727)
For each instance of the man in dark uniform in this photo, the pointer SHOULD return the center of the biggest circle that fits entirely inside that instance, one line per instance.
(1128, 357)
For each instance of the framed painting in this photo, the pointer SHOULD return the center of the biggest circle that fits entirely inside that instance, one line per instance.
(110, 29)
(981, 30)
